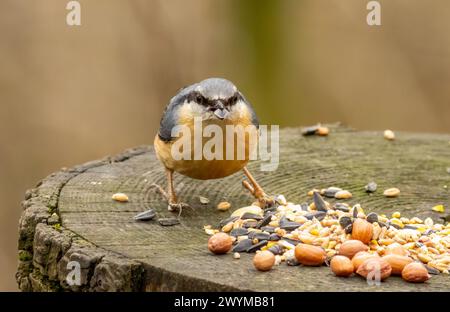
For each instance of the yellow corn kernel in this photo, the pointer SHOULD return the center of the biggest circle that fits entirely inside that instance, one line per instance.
(405, 220)
(270, 244)
(332, 244)
(424, 258)
(396, 215)
(421, 229)
(314, 232)
(438, 208)
(397, 222)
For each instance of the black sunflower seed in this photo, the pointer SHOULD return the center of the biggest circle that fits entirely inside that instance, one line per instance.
(239, 232)
(266, 220)
(223, 222)
(168, 221)
(259, 235)
(349, 229)
(276, 249)
(345, 221)
(285, 224)
(310, 130)
(372, 217)
(342, 207)
(319, 202)
(243, 245)
(145, 216)
(398, 227)
(250, 224)
(432, 270)
(319, 215)
(269, 229)
(331, 191)
(294, 242)
(274, 237)
(249, 215)
(257, 246)
(304, 206)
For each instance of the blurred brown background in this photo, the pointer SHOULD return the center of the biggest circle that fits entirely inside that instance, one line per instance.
(72, 94)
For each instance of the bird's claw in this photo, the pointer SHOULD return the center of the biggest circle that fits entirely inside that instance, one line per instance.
(173, 207)
(177, 206)
(263, 199)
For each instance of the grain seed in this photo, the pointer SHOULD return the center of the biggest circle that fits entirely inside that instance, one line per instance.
(120, 197)
(391, 192)
(343, 195)
(223, 206)
(389, 135)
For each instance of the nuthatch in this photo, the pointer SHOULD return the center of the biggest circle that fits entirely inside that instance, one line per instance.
(214, 101)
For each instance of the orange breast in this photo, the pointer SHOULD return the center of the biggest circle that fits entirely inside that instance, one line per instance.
(204, 169)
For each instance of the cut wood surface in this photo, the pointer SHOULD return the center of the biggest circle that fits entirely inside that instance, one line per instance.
(70, 215)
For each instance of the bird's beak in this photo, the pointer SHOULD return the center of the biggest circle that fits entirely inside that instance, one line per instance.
(220, 110)
(221, 113)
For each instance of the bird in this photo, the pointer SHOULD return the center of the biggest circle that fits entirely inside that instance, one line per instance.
(214, 101)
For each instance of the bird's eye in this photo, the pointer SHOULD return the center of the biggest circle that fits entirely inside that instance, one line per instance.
(199, 99)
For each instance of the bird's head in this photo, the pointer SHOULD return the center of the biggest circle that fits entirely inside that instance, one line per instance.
(216, 98)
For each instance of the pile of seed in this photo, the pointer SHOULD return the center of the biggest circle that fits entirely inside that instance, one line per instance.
(280, 233)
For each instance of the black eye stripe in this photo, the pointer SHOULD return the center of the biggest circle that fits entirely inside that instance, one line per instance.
(197, 97)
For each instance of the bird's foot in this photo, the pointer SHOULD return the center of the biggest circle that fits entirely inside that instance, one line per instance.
(177, 207)
(173, 206)
(264, 200)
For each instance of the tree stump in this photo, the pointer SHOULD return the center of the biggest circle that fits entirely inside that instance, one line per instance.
(70, 216)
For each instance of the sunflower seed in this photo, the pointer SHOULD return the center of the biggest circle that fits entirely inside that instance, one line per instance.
(250, 224)
(249, 215)
(331, 191)
(348, 229)
(203, 200)
(345, 221)
(288, 225)
(319, 215)
(276, 249)
(145, 216)
(355, 211)
(266, 220)
(224, 222)
(258, 235)
(319, 202)
(432, 270)
(311, 130)
(257, 246)
(168, 221)
(342, 207)
(269, 229)
(304, 206)
(239, 232)
(372, 217)
(294, 242)
(243, 245)
(274, 237)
